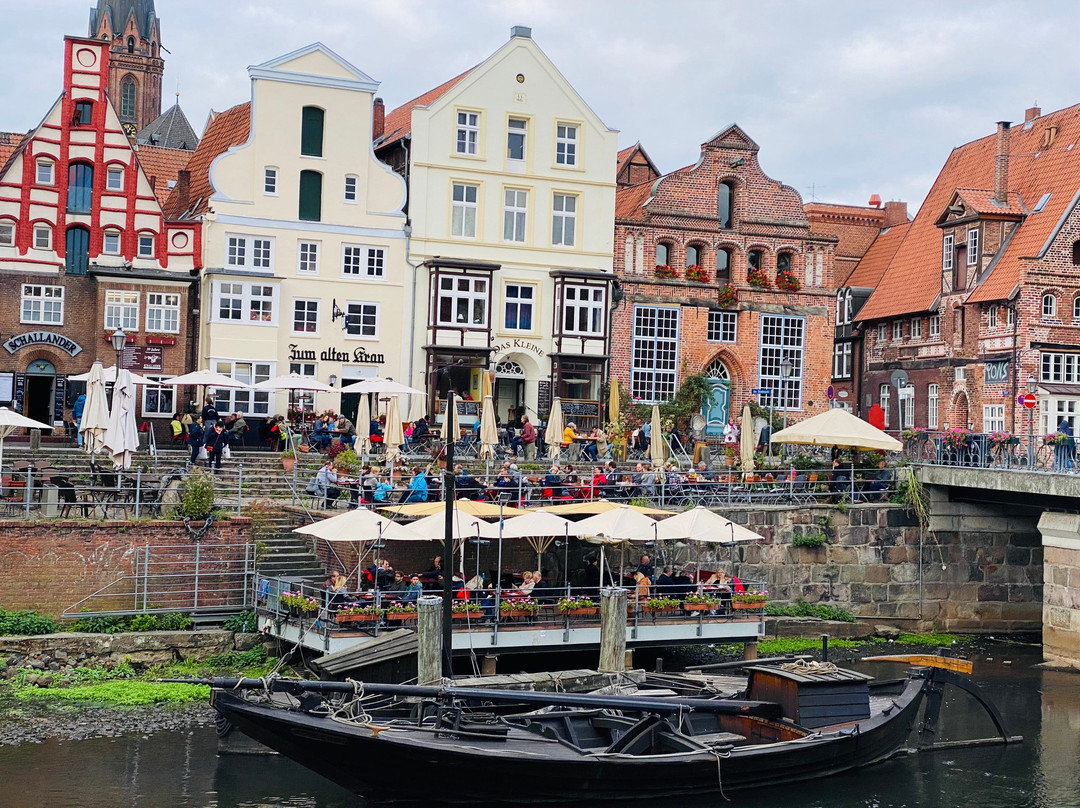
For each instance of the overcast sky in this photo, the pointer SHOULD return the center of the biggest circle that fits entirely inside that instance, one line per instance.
(845, 99)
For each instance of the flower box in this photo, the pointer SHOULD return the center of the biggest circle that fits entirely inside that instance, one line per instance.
(787, 282)
(131, 338)
(743, 605)
(160, 339)
(401, 615)
(517, 613)
(665, 272)
(697, 274)
(700, 607)
(583, 612)
(357, 618)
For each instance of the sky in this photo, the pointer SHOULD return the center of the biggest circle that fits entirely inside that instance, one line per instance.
(845, 99)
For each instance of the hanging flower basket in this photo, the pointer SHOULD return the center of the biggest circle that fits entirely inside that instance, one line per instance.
(787, 282)
(757, 278)
(727, 297)
(956, 438)
(666, 272)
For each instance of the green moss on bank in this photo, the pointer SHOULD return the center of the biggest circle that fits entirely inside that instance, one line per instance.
(118, 693)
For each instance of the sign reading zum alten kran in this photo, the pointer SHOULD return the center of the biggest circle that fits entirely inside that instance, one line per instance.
(43, 338)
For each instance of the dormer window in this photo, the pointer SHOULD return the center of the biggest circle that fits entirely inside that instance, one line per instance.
(973, 246)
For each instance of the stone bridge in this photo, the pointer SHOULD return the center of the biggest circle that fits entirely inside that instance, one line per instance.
(1019, 502)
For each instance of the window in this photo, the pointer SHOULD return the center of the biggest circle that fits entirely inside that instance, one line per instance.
(1049, 306)
(7, 234)
(463, 300)
(722, 326)
(121, 310)
(931, 406)
(253, 303)
(368, 262)
(270, 181)
(897, 330)
(127, 97)
(566, 140)
(468, 132)
(110, 242)
(993, 417)
(935, 326)
(131, 44)
(163, 312)
(250, 252)
(754, 259)
(463, 210)
(311, 131)
(906, 401)
(45, 172)
(146, 245)
(362, 320)
(840, 308)
(261, 306)
(515, 139)
(783, 263)
(305, 316)
(42, 304)
(230, 301)
(654, 354)
(849, 307)
(515, 206)
(723, 266)
(693, 255)
(724, 203)
(308, 257)
(156, 399)
(563, 220)
(883, 333)
(916, 327)
(77, 247)
(1010, 317)
(841, 360)
(663, 254)
(243, 399)
(973, 246)
(302, 399)
(1062, 368)
(1076, 253)
(84, 111)
(947, 253)
(310, 209)
(992, 316)
(80, 193)
(519, 307)
(114, 178)
(782, 341)
(1076, 300)
(883, 400)
(583, 309)
(350, 188)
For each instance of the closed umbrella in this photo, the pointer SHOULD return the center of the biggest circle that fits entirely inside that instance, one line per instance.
(746, 440)
(394, 436)
(487, 384)
(554, 430)
(95, 418)
(613, 401)
(416, 407)
(122, 435)
(11, 421)
(489, 433)
(656, 439)
(449, 430)
(363, 427)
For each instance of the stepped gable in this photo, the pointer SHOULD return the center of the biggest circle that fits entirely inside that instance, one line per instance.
(225, 129)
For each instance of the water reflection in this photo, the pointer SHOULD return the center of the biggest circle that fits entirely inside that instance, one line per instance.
(174, 769)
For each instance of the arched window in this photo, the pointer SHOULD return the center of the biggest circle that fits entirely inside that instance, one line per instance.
(77, 258)
(840, 307)
(1076, 253)
(1076, 308)
(311, 131)
(310, 196)
(693, 255)
(723, 265)
(663, 253)
(127, 97)
(754, 259)
(849, 312)
(716, 369)
(1049, 306)
(725, 202)
(131, 44)
(80, 187)
(783, 262)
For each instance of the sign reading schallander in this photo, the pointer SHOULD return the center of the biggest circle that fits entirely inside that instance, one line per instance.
(43, 338)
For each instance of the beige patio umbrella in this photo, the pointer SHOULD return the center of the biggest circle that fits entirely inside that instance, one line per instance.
(613, 401)
(380, 385)
(12, 421)
(656, 439)
(464, 527)
(487, 385)
(489, 433)
(394, 436)
(122, 435)
(597, 506)
(746, 440)
(540, 528)
(95, 418)
(416, 407)
(469, 507)
(449, 430)
(701, 524)
(617, 527)
(362, 446)
(837, 427)
(108, 375)
(554, 430)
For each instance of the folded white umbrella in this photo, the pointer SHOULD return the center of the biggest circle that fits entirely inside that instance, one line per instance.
(10, 422)
(122, 435)
(379, 385)
(362, 444)
(554, 429)
(449, 430)
(394, 436)
(489, 432)
(656, 439)
(108, 375)
(95, 417)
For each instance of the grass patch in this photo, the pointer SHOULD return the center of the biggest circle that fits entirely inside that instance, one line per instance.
(933, 639)
(119, 693)
(798, 645)
(818, 610)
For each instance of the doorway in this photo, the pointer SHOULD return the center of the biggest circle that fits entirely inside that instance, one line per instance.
(716, 412)
(509, 391)
(40, 391)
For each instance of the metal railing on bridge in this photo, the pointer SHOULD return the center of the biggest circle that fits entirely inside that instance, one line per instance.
(1054, 453)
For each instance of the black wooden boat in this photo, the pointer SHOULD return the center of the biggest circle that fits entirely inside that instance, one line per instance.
(436, 744)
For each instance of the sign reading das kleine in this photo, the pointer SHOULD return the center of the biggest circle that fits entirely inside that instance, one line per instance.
(70, 346)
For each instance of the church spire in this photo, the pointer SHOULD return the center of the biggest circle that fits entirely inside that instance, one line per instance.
(135, 61)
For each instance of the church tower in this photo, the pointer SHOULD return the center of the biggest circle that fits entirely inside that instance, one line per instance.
(135, 63)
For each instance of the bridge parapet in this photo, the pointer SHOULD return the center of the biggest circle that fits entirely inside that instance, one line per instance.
(1061, 589)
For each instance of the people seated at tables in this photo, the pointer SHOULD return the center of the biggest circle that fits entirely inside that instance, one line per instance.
(684, 583)
(592, 574)
(541, 589)
(399, 583)
(420, 428)
(882, 479)
(644, 481)
(527, 582)
(722, 579)
(418, 487)
(841, 478)
(436, 571)
(646, 567)
(381, 574)
(413, 591)
(665, 581)
(468, 487)
(326, 485)
(344, 428)
(337, 589)
(383, 491)
(320, 434)
(599, 482)
(704, 472)
(642, 586)
(554, 482)
(373, 429)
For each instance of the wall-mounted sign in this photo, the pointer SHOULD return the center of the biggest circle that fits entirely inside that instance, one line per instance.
(996, 372)
(359, 356)
(148, 359)
(519, 345)
(19, 341)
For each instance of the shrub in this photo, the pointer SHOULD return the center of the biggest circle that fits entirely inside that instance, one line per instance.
(26, 624)
(816, 539)
(238, 659)
(803, 462)
(243, 623)
(818, 610)
(197, 495)
(170, 621)
(348, 461)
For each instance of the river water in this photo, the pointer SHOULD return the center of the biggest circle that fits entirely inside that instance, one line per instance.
(181, 768)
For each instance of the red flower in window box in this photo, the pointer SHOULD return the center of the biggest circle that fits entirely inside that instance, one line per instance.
(696, 273)
(757, 278)
(727, 297)
(664, 271)
(160, 339)
(787, 281)
(131, 338)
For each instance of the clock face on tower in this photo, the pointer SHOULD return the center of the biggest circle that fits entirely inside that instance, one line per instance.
(130, 130)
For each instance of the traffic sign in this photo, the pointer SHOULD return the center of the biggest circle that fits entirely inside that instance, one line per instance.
(829, 392)
(760, 391)
(1029, 401)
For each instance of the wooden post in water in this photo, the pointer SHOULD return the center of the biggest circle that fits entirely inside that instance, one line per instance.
(749, 650)
(429, 640)
(613, 629)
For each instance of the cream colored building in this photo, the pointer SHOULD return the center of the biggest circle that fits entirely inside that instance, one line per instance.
(512, 203)
(303, 242)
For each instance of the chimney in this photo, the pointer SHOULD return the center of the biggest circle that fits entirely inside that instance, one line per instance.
(1001, 163)
(1031, 113)
(522, 31)
(182, 189)
(378, 119)
(875, 201)
(895, 213)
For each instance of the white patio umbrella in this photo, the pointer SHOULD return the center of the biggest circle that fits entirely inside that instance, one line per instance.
(540, 528)
(553, 431)
(489, 432)
(656, 439)
(379, 385)
(394, 436)
(11, 421)
(362, 445)
(204, 378)
(701, 524)
(95, 417)
(294, 381)
(122, 435)
(469, 507)
(108, 375)
(416, 407)
(618, 526)
(463, 528)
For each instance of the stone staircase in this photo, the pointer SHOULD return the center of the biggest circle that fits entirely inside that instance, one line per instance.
(280, 552)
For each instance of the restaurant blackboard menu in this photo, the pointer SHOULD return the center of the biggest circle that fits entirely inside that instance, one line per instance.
(58, 401)
(584, 409)
(543, 397)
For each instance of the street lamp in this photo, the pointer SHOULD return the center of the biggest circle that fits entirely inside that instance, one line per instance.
(118, 340)
(787, 367)
(1032, 386)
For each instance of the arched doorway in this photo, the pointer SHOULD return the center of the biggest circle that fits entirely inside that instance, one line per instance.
(40, 390)
(961, 415)
(716, 412)
(509, 390)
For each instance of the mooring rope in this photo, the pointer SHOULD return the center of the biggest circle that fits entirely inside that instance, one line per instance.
(812, 667)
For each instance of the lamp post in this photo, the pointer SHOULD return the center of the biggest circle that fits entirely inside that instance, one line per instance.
(1032, 386)
(118, 340)
(787, 367)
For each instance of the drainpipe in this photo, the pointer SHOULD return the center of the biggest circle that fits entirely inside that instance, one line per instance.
(411, 324)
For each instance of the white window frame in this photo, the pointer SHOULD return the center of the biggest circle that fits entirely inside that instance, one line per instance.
(246, 400)
(566, 144)
(515, 215)
(883, 333)
(935, 326)
(363, 261)
(307, 257)
(842, 360)
(42, 300)
(145, 245)
(247, 251)
(310, 316)
(270, 181)
(916, 327)
(39, 242)
(464, 212)
(45, 172)
(782, 337)
(1010, 317)
(163, 312)
(1049, 306)
(947, 253)
(722, 326)
(121, 310)
(364, 309)
(972, 246)
(514, 131)
(114, 172)
(512, 297)
(457, 296)
(898, 330)
(1059, 367)
(992, 317)
(303, 399)
(993, 418)
(654, 353)
(7, 234)
(906, 406)
(244, 292)
(564, 220)
(849, 307)
(1076, 308)
(884, 399)
(108, 235)
(162, 387)
(932, 405)
(583, 304)
(840, 307)
(352, 189)
(467, 135)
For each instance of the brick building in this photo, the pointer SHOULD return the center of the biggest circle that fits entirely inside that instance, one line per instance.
(710, 228)
(133, 32)
(87, 250)
(982, 296)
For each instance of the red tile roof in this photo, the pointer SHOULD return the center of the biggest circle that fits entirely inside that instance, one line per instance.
(629, 201)
(623, 156)
(398, 122)
(163, 165)
(913, 279)
(982, 202)
(869, 270)
(226, 129)
(854, 225)
(9, 144)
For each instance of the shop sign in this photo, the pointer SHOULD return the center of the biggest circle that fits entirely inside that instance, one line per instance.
(148, 359)
(996, 372)
(519, 345)
(70, 346)
(359, 356)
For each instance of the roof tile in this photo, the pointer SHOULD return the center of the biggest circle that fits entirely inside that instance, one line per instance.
(869, 270)
(398, 122)
(226, 129)
(163, 165)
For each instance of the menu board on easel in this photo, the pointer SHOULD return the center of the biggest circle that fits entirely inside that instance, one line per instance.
(58, 401)
(20, 391)
(543, 398)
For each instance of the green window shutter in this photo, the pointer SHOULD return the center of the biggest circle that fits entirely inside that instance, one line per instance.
(311, 132)
(310, 196)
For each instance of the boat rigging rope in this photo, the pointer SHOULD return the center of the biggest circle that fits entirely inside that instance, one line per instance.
(802, 666)
(719, 776)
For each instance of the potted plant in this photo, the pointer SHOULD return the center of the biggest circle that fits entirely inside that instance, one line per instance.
(288, 461)
(786, 281)
(729, 456)
(665, 272)
(696, 273)
(727, 296)
(161, 339)
(750, 599)
(401, 611)
(956, 438)
(580, 605)
(519, 607)
(463, 609)
(700, 603)
(356, 613)
(757, 278)
(661, 604)
(1055, 438)
(298, 603)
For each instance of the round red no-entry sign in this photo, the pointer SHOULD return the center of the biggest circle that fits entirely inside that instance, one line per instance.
(1029, 401)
